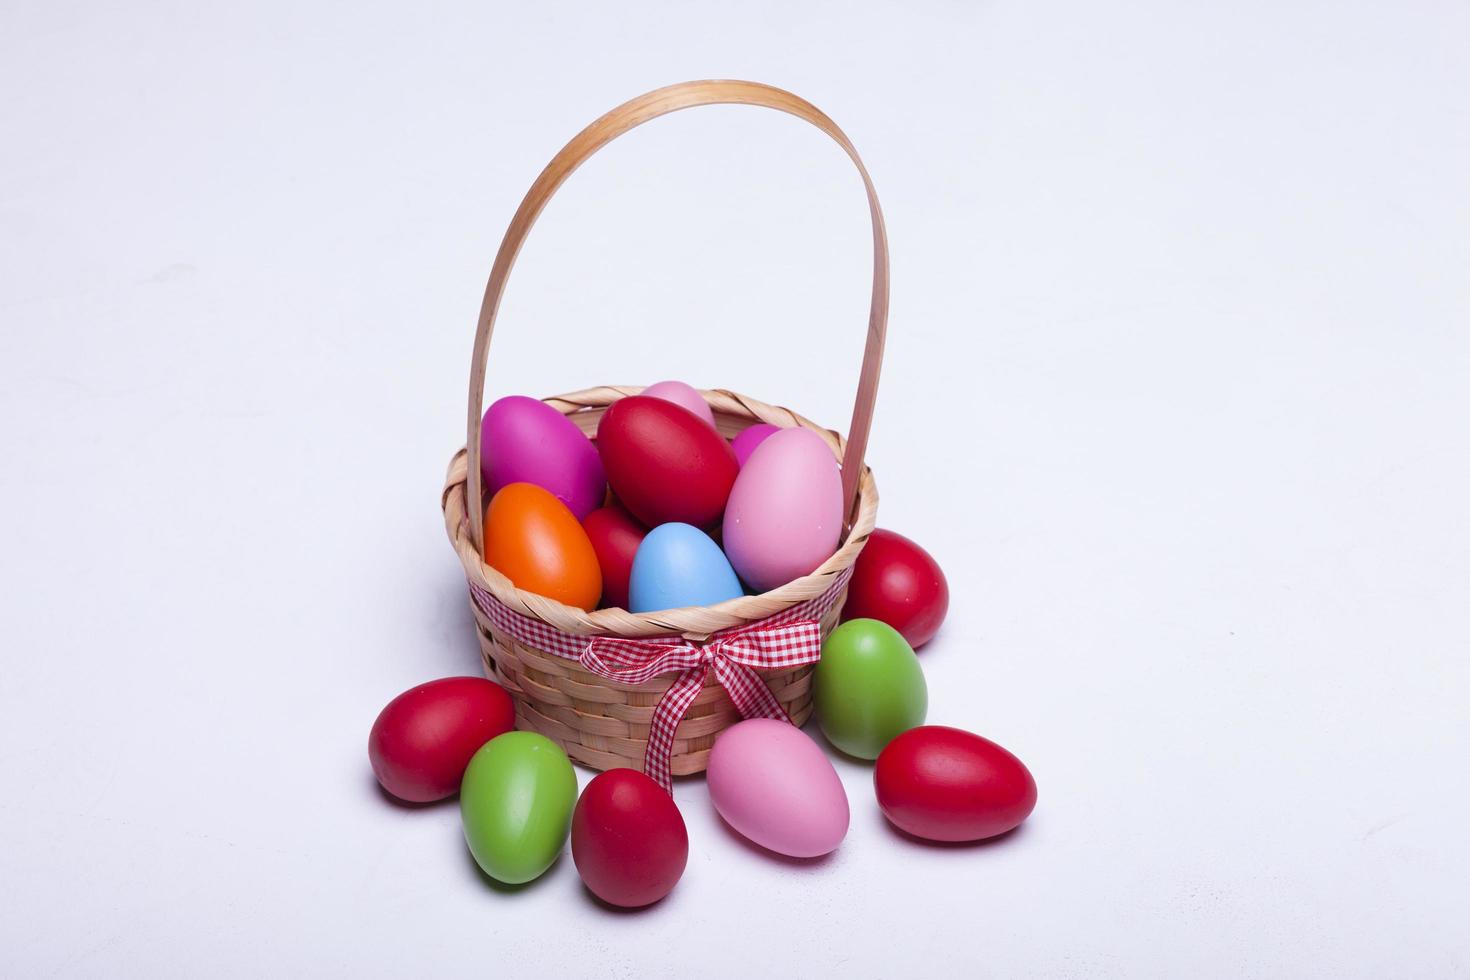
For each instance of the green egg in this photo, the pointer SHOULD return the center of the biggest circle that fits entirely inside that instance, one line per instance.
(516, 803)
(869, 687)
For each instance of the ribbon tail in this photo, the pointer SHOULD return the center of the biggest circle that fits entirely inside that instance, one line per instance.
(666, 718)
(747, 691)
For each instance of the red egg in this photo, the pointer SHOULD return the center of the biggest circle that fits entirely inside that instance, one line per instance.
(628, 839)
(665, 463)
(898, 583)
(944, 784)
(423, 740)
(615, 536)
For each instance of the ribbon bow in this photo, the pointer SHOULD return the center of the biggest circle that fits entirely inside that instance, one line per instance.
(733, 655)
(790, 638)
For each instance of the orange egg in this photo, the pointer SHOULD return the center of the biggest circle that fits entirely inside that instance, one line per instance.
(535, 541)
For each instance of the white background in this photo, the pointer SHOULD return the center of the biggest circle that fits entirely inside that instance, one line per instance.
(1175, 392)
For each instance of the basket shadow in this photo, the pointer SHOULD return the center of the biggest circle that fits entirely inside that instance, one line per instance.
(462, 632)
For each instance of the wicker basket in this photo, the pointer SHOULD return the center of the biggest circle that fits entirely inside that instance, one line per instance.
(602, 723)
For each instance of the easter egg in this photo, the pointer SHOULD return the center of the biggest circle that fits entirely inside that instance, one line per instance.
(664, 462)
(533, 540)
(523, 440)
(679, 565)
(784, 517)
(615, 537)
(898, 583)
(744, 444)
(681, 394)
(869, 687)
(421, 742)
(944, 784)
(772, 785)
(628, 839)
(516, 805)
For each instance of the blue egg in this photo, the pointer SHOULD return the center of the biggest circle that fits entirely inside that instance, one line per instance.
(679, 565)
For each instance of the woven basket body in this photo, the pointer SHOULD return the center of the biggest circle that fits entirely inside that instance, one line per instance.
(600, 722)
(603, 724)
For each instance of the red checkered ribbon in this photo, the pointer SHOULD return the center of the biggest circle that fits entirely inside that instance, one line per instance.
(789, 638)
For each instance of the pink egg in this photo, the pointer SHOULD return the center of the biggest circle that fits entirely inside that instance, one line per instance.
(784, 515)
(745, 443)
(771, 783)
(682, 395)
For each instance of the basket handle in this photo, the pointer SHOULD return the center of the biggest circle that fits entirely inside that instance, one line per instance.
(634, 113)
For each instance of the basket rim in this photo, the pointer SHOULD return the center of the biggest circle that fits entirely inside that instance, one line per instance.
(694, 622)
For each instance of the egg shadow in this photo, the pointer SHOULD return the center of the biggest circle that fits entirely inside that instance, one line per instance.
(931, 645)
(776, 856)
(409, 805)
(815, 733)
(999, 840)
(618, 911)
(496, 885)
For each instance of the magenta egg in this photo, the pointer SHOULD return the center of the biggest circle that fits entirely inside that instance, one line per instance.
(774, 786)
(523, 440)
(744, 444)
